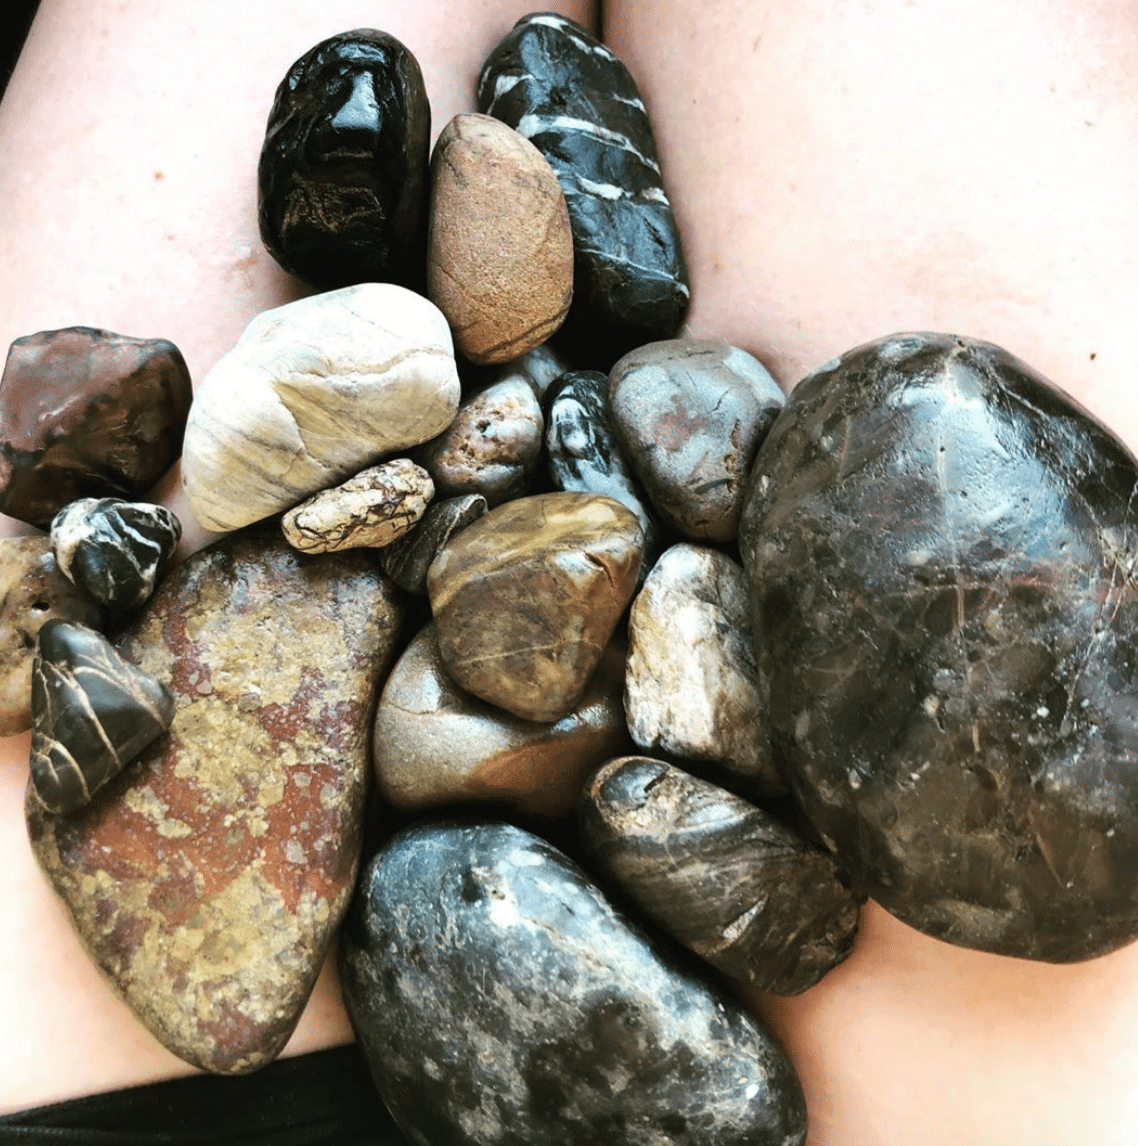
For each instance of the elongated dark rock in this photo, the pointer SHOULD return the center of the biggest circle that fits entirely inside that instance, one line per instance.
(725, 878)
(501, 1001)
(577, 103)
(343, 170)
(114, 550)
(940, 546)
(407, 560)
(93, 712)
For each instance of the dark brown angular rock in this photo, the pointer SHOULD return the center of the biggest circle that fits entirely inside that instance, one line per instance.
(940, 549)
(725, 878)
(208, 878)
(93, 712)
(343, 169)
(87, 413)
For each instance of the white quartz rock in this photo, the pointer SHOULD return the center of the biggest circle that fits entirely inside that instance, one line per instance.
(313, 392)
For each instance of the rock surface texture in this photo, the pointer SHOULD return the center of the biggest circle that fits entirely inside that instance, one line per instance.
(114, 550)
(526, 598)
(342, 178)
(312, 393)
(940, 546)
(577, 103)
(500, 1000)
(692, 685)
(92, 711)
(499, 250)
(407, 560)
(691, 415)
(32, 592)
(435, 744)
(87, 413)
(208, 878)
(723, 877)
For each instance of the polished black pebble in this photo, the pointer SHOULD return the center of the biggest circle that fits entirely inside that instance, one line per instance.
(407, 560)
(92, 713)
(577, 103)
(940, 546)
(502, 1001)
(343, 169)
(723, 877)
(114, 550)
(583, 454)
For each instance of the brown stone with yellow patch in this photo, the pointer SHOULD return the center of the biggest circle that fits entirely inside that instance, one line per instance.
(207, 879)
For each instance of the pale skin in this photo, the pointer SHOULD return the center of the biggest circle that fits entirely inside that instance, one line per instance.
(841, 169)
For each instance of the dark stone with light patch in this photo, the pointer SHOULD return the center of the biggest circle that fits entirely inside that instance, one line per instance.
(502, 1001)
(92, 713)
(87, 413)
(407, 560)
(567, 93)
(724, 878)
(113, 549)
(940, 546)
(208, 878)
(343, 170)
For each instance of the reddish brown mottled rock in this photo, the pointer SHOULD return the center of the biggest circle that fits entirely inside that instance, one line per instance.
(207, 879)
(435, 744)
(500, 249)
(87, 413)
(33, 591)
(526, 598)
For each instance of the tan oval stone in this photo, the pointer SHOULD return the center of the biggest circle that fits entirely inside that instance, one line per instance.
(500, 251)
(313, 392)
(526, 598)
(435, 744)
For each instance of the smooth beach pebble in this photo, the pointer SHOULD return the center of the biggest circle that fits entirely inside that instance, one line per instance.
(407, 560)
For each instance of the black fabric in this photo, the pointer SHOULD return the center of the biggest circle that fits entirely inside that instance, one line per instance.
(320, 1099)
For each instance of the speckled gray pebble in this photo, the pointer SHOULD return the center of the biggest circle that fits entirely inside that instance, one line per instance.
(407, 560)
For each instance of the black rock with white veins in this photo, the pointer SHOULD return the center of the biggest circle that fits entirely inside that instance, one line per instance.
(407, 560)
(577, 103)
(93, 712)
(502, 1001)
(114, 550)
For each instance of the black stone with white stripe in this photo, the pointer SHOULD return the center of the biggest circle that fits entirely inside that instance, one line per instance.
(577, 103)
(113, 549)
(92, 713)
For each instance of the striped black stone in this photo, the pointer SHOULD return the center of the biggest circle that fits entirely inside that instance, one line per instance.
(407, 560)
(579, 105)
(92, 713)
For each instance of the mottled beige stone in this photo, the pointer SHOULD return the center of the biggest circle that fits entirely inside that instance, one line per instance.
(500, 250)
(313, 392)
(376, 507)
(691, 683)
(526, 598)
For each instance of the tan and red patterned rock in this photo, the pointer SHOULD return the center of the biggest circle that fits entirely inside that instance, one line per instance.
(207, 879)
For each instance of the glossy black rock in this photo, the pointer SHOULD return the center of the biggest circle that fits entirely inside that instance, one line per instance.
(723, 877)
(407, 560)
(501, 1000)
(940, 547)
(92, 713)
(577, 103)
(343, 170)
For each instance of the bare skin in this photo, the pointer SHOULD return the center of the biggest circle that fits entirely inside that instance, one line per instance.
(841, 170)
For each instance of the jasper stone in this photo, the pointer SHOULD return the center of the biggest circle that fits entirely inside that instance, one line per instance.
(114, 550)
(435, 744)
(377, 506)
(342, 178)
(313, 392)
(32, 592)
(208, 878)
(938, 546)
(87, 413)
(501, 1000)
(493, 446)
(93, 712)
(499, 250)
(691, 415)
(407, 560)
(526, 598)
(692, 685)
(724, 878)
(577, 103)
